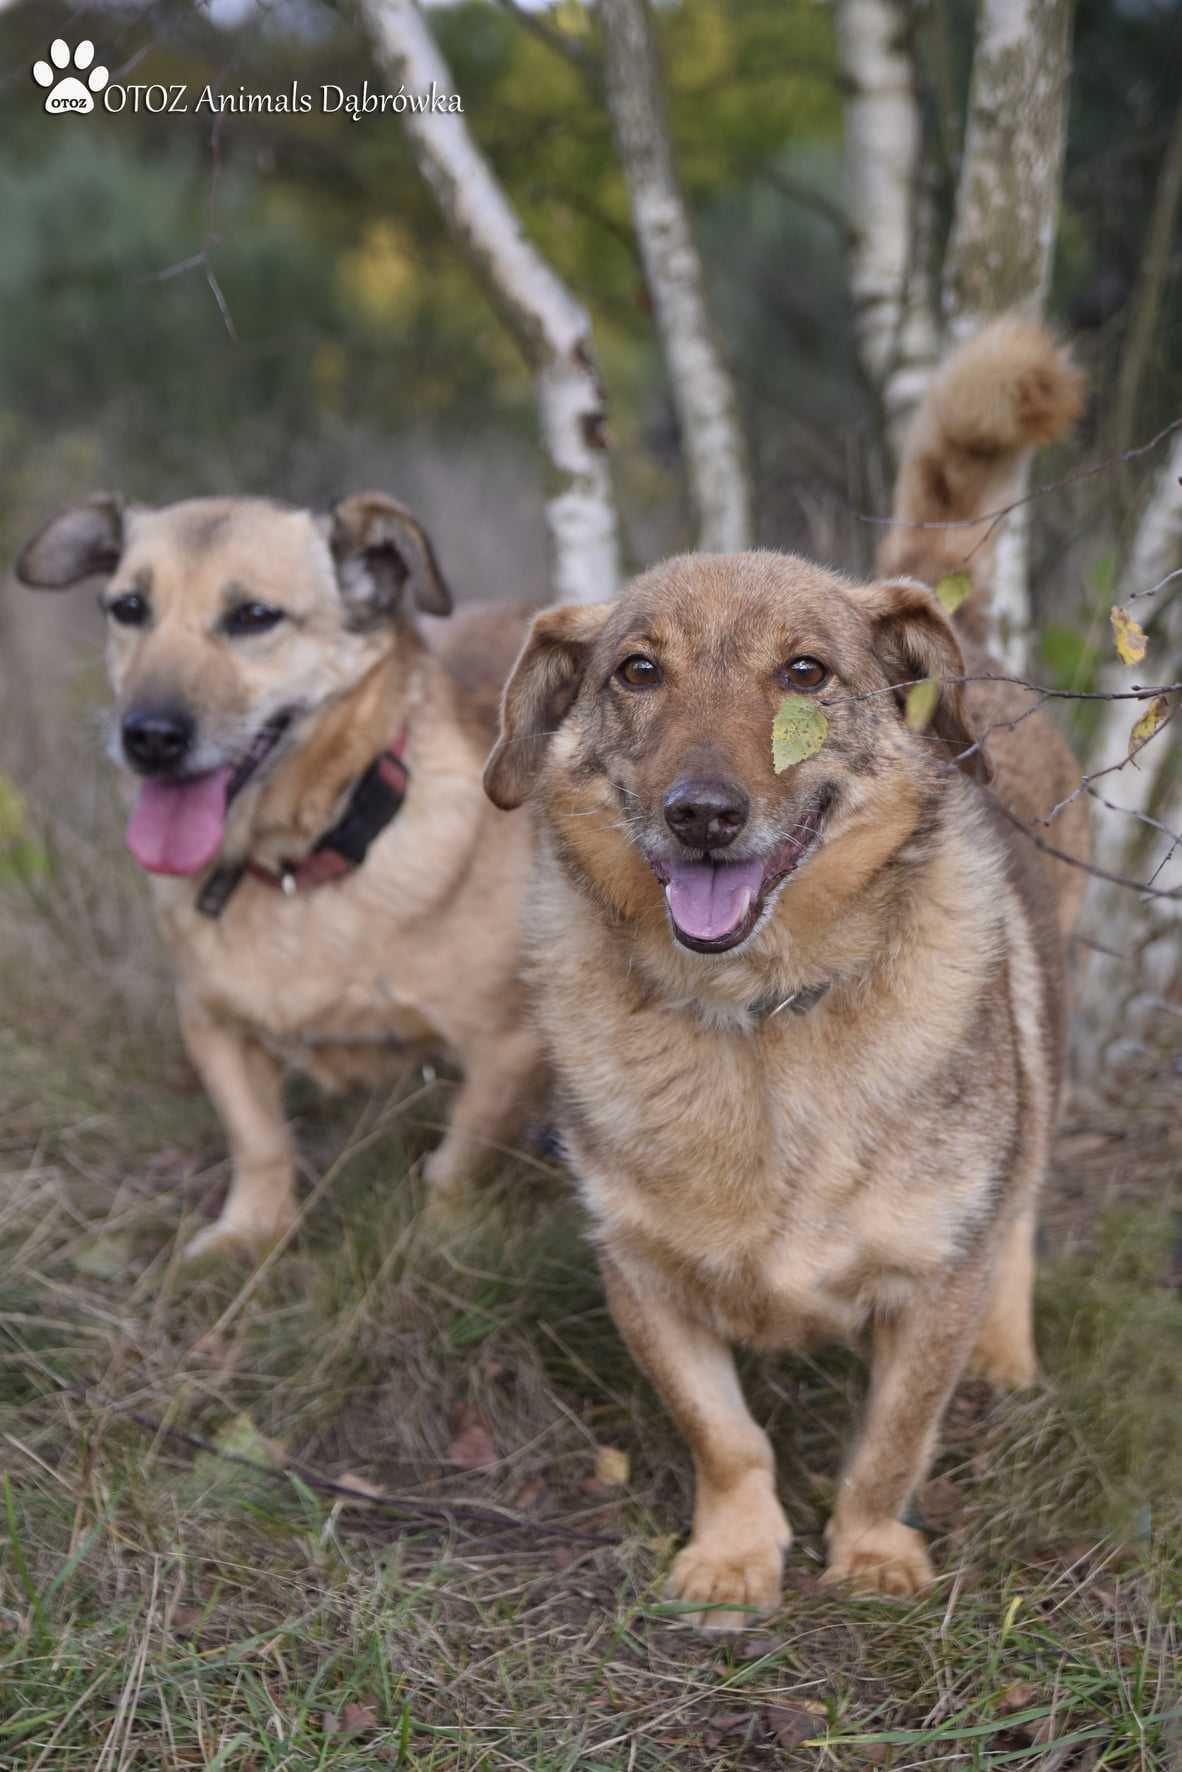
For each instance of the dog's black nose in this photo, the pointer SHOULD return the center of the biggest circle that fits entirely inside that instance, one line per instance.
(157, 740)
(706, 814)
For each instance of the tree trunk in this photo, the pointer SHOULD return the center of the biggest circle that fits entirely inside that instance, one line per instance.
(702, 387)
(1146, 303)
(890, 206)
(1003, 235)
(1128, 986)
(552, 329)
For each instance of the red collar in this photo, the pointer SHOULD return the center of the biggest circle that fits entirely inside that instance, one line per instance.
(376, 799)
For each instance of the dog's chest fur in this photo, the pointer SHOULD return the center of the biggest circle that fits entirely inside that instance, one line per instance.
(393, 956)
(784, 1175)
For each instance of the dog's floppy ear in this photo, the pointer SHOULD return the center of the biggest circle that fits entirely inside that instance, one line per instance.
(379, 547)
(538, 697)
(914, 639)
(79, 543)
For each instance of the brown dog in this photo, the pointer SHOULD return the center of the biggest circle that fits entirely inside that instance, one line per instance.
(806, 1025)
(334, 887)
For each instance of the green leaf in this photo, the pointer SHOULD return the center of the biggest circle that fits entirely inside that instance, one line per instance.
(921, 704)
(104, 1257)
(952, 590)
(798, 731)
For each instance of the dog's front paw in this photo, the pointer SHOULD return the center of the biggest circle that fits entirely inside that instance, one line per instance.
(886, 1558)
(731, 1567)
(235, 1239)
(451, 1191)
(1006, 1363)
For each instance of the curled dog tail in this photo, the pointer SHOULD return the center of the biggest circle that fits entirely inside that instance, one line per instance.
(997, 397)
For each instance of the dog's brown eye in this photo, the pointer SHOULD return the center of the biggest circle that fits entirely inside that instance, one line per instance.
(130, 611)
(251, 618)
(639, 672)
(806, 673)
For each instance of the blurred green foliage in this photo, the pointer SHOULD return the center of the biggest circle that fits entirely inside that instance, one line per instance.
(191, 305)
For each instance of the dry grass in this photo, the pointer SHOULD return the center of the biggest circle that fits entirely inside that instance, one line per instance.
(162, 1606)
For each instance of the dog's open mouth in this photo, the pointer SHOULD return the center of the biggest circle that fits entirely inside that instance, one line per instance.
(177, 826)
(715, 905)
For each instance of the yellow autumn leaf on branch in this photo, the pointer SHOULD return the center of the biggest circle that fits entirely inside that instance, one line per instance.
(921, 704)
(1155, 715)
(1129, 635)
(952, 590)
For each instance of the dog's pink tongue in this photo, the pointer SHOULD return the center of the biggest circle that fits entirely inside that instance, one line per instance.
(708, 899)
(176, 827)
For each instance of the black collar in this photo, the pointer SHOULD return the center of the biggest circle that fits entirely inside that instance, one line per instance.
(376, 800)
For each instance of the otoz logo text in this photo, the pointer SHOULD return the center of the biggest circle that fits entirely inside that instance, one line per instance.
(66, 94)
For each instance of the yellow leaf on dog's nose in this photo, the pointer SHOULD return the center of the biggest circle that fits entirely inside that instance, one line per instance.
(798, 731)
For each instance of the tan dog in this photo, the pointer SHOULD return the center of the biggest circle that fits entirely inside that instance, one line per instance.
(806, 1025)
(335, 889)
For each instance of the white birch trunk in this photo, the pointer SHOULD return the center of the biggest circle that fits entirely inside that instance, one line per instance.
(1127, 988)
(551, 327)
(703, 390)
(888, 206)
(1003, 236)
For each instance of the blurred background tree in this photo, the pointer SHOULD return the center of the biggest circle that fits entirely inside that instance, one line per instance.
(352, 309)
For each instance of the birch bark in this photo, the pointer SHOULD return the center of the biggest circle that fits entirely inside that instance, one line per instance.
(1125, 1002)
(1003, 236)
(889, 206)
(703, 390)
(552, 329)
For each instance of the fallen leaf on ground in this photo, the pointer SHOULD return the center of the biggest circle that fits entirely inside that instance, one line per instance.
(352, 1719)
(612, 1466)
(1129, 635)
(798, 731)
(663, 1545)
(730, 1722)
(363, 1487)
(103, 1258)
(472, 1448)
(240, 1438)
(1155, 715)
(793, 1724)
(533, 1490)
(754, 1648)
(1019, 1695)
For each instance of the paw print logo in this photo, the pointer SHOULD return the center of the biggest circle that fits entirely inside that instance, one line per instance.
(67, 92)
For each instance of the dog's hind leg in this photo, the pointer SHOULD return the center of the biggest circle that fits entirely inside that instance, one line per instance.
(245, 1084)
(1004, 1353)
(502, 1082)
(732, 1566)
